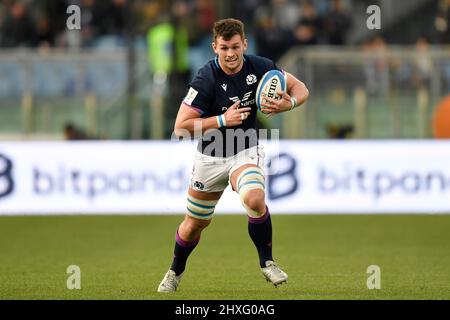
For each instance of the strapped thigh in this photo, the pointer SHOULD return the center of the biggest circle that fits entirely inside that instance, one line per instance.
(201, 209)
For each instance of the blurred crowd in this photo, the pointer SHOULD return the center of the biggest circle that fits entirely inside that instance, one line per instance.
(284, 24)
(177, 33)
(42, 23)
(275, 23)
(177, 37)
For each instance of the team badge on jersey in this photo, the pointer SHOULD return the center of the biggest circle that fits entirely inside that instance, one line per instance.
(251, 79)
(197, 185)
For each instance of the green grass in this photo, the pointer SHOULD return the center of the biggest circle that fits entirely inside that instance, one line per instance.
(326, 257)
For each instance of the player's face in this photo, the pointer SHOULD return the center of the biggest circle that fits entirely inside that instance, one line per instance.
(230, 53)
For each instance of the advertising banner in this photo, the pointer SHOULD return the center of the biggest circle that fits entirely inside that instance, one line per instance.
(153, 177)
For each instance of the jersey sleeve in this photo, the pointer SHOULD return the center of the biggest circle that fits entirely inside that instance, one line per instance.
(199, 94)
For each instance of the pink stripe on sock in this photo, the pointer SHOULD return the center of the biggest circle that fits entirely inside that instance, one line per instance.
(183, 243)
(261, 219)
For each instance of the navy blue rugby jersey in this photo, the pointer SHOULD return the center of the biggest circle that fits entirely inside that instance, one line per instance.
(212, 92)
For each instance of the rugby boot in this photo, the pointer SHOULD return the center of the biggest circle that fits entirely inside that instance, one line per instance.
(273, 273)
(170, 282)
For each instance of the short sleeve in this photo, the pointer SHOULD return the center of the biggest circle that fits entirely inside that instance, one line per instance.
(199, 94)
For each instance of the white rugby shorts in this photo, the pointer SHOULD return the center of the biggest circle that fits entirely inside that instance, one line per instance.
(212, 174)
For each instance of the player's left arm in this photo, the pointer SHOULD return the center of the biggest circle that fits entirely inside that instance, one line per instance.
(297, 90)
(296, 94)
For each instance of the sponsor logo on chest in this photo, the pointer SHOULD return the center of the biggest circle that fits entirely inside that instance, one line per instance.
(244, 101)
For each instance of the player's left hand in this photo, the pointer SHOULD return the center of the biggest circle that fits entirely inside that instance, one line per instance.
(274, 106)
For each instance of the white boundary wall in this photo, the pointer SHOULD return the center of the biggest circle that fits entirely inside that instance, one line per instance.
(152, 177)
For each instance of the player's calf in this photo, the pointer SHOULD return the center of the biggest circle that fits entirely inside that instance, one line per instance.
(191, 228)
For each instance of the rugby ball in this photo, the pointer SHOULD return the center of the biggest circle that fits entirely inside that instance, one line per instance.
(271, 82)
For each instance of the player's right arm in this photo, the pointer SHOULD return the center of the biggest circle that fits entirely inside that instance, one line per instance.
(189, 122)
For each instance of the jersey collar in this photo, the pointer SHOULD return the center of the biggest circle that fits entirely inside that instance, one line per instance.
(216, 63)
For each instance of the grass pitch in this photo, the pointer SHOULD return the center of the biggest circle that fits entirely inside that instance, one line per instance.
(326, 257)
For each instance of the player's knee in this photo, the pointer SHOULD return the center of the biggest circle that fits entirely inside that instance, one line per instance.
(194, 226)
(250, 186)
(201, 209)
(255, 201)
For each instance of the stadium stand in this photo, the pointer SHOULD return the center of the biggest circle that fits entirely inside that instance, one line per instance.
(52, 76)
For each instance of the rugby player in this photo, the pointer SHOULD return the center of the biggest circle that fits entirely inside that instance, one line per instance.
(222, 98)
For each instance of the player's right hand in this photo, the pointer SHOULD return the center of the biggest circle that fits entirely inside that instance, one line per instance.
(234, 116)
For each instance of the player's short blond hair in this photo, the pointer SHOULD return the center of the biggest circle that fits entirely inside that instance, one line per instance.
(228, 28)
